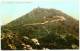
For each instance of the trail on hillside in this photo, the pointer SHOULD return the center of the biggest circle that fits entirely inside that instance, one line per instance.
(46, 22)
(56, 20)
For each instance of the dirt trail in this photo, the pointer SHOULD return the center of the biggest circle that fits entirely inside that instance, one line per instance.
(56, 20)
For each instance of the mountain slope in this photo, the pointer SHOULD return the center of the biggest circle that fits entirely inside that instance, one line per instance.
(49, 26)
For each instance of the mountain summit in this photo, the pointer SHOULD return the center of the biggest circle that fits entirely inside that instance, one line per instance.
(53, 28)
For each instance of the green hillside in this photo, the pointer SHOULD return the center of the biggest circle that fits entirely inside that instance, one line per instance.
(53, 29)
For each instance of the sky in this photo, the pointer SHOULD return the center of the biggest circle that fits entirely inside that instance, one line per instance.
(12, 9)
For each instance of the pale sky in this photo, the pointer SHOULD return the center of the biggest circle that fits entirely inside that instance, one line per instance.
(12, 9)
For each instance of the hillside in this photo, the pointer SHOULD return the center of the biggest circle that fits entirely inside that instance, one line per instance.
(53, 29)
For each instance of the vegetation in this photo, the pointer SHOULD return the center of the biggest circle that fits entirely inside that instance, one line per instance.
(51, 35)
